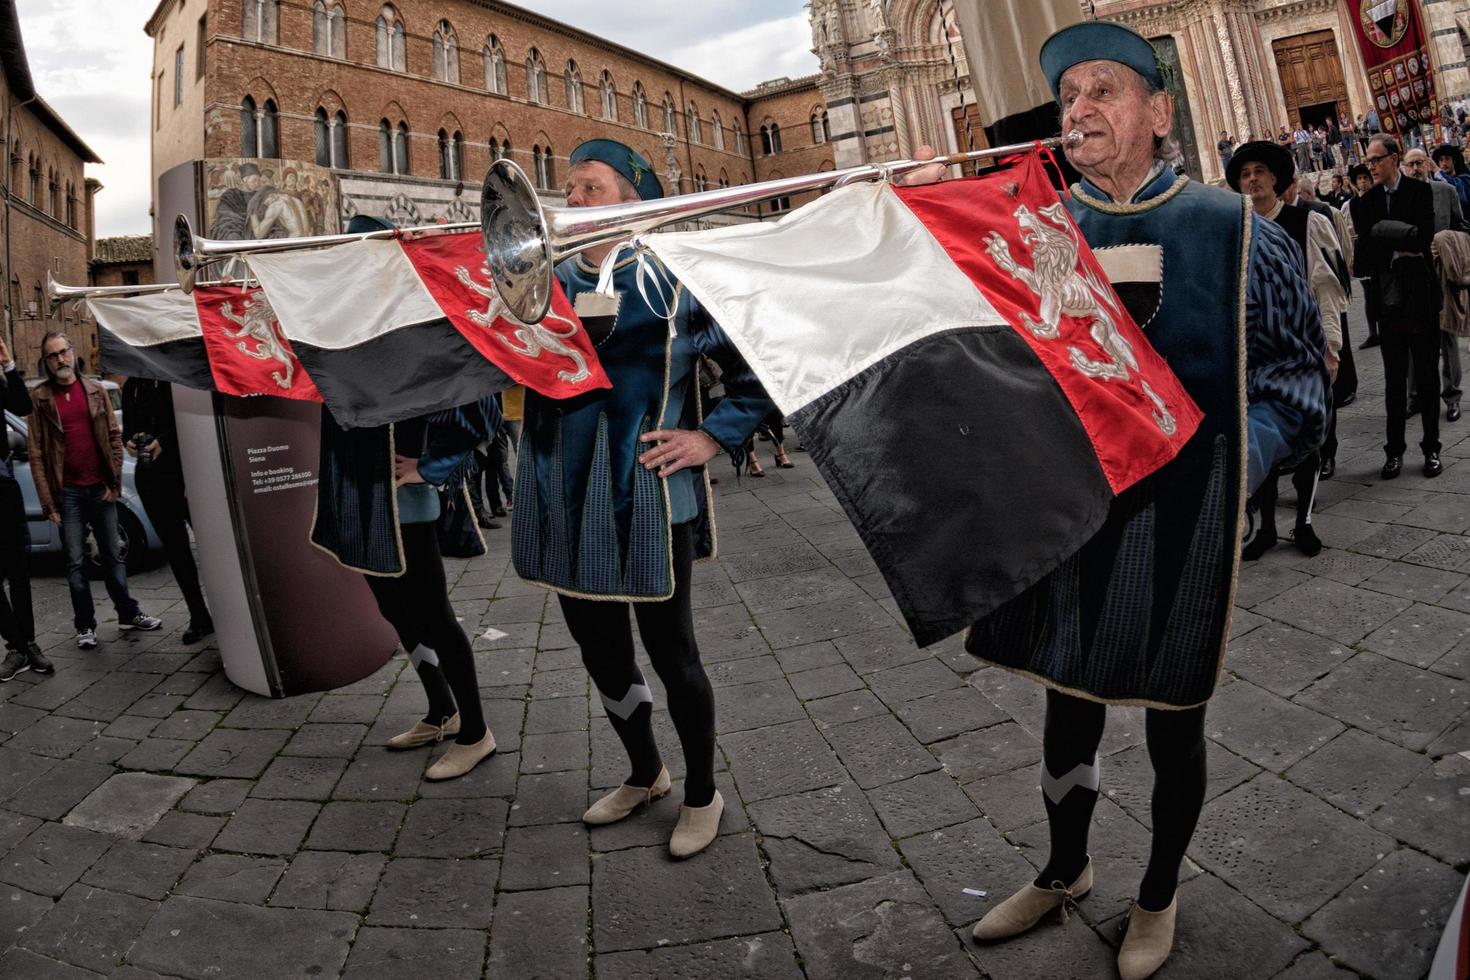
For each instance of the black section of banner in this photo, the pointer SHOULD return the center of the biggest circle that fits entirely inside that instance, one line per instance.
(180, 362)
(422, 368)
(964, 469)
(1043, 122)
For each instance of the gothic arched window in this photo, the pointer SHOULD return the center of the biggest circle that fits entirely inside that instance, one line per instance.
(640, 106)
(573, 78)
(536, 78)
(258, 20)
(494, 56)
(541, 161)
(608, 94)
(249, 134)
(400, 149)
(451, 155)
(329, 30)
(392, 40)
(446, 53)
(323, 134)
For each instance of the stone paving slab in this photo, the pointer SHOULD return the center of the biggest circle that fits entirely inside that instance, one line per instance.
(155, 821)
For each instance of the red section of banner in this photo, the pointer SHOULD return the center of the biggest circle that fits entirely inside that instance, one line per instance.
(248, 353)
(1017, 242)
(554, 357)
(1396, 53)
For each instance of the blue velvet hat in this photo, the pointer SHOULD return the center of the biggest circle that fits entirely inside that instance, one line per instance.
(1098, 40)
(626, 161)
(361, 224)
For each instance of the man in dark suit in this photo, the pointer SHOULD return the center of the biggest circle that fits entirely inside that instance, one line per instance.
(1395, 231)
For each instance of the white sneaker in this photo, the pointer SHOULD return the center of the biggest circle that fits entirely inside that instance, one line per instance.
(142, 621)
(87, 639)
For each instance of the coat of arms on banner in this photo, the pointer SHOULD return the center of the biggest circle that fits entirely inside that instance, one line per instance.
(258, 334)
(1384, 21)
(1066, 287)
(533, 338)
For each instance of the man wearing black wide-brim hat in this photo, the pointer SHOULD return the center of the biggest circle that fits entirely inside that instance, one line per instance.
(1263, 172)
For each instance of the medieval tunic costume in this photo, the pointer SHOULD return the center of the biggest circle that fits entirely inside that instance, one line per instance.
(594, 524)
(388, 531)
(589, 521)
(1140, 615)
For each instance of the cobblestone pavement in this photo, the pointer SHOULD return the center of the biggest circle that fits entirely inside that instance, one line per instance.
(156, 821)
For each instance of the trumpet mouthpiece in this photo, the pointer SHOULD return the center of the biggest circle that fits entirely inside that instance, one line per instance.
(1075, 138)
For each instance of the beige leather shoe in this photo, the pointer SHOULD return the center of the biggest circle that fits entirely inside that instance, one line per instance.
(1147, 942)
(625, 799)
(460, 759)
(422, 733)
(1027, 907)
(697, 828)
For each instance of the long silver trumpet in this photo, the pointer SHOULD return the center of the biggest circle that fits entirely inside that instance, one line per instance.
(58, 294)
(525, 239)
(192, 252)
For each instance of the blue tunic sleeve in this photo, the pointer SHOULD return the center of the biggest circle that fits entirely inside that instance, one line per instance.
(1287, 383)
(745, 403)
(453, 435)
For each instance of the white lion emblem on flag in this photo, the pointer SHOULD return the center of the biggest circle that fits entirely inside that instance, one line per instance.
(1066, 287)
(535, 338)
(257, 323)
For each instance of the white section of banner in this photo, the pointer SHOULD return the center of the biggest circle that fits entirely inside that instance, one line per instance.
(149, 319)
(821, 295)
(346, 295)
(1002, 41)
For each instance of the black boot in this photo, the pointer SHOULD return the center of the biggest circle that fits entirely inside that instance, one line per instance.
(1307, 541)
(1263, 542)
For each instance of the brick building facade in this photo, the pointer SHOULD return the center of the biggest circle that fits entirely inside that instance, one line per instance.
(48, 213)
(434, 90)
(126, 260)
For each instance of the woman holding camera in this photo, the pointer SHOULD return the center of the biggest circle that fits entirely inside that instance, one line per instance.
(151, 437)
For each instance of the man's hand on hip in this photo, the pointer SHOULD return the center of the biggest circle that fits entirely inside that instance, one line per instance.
(678, 449)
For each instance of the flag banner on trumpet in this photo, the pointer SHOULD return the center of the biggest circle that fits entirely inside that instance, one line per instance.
(966, 329)
(218, 338)
(1013, 98)
(419, 315)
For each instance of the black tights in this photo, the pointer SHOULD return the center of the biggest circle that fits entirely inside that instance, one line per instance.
(602, 630)
(1176, 747)
(1304, 478)
(416, 603)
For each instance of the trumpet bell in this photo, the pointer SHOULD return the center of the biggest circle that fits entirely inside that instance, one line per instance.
(518, 250)
(186, 259)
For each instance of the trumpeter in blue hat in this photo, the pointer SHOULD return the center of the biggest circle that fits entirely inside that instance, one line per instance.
(1141, 615)
(612, 502)
(624, 161)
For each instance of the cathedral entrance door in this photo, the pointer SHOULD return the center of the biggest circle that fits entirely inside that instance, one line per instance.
(1311, 77)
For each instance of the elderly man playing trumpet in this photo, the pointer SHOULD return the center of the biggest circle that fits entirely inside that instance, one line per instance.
(1141, 614)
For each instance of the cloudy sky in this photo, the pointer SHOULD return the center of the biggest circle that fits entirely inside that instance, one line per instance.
(90, 60)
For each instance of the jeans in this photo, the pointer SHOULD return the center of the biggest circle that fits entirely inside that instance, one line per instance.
(82, 506)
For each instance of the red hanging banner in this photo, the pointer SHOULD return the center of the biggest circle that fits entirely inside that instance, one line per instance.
(1396, 52)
